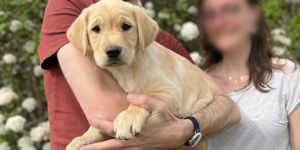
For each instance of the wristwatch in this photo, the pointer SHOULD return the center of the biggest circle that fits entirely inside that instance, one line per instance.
(195, 139)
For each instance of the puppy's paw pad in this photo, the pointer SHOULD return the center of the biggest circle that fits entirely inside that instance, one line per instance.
(127, 125)
(77, 143)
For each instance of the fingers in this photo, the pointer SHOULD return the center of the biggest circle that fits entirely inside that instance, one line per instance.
(114, 144)
(102, 125)
(145, 102)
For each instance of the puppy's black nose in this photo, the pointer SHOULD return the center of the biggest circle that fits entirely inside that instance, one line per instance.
(113, 51)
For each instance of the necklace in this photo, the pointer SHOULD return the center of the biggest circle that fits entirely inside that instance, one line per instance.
(235, 80)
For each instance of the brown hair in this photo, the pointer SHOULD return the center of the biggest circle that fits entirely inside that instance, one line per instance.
(260, 59)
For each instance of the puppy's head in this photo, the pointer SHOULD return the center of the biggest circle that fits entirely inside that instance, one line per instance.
(115, 30)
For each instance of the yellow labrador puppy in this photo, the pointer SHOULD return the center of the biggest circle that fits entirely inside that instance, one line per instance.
(123, 39)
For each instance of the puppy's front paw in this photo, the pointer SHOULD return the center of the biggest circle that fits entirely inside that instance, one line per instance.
(77, 143)
(130, 122)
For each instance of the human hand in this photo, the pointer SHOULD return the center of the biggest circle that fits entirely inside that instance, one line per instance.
(161, 131)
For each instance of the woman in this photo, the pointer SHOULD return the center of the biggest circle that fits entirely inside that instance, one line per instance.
(266, 87)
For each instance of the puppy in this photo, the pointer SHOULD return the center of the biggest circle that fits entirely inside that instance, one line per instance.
(123, 39)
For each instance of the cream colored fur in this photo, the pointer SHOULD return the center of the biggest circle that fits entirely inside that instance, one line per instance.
(145, 67)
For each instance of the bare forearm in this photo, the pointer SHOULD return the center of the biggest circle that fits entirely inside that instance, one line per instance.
(95, 89)
(218, 116)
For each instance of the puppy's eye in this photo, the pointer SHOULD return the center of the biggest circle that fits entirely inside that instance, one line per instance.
(126, 27)
(96, 29)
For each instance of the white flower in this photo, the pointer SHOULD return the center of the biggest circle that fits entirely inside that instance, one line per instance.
(29, 25)
(24, 142)
(5, 146)
(177, 27)
(7, 95)
(192, 10)
(46, 146)
(29, 104)
(29, 46)
(38, 71)
(149, 5)
(2, 118)
(283, 39)
(278, 31)
(45, 125)
(39, 134)
(28, 148)
(189, 31)
(163, 15)
(2, 12)
(29, 1)
(279, 50)
(3, 130)
(9, 58)
(15, 25)
(150, 12)
(196, 57)
(15, 123)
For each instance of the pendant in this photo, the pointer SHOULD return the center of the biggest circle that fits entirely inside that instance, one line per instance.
(235, 81)
(229, 78)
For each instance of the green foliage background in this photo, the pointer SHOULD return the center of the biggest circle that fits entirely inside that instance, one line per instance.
(20, 76)
(285, 15)
(279, 14)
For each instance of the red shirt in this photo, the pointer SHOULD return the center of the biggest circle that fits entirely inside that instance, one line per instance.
(66, 117)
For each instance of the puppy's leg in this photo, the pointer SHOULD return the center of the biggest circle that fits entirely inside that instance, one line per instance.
(129, 123)
(91, 136)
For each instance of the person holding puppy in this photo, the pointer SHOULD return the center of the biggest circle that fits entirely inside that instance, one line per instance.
(77, 91)
(239, 57)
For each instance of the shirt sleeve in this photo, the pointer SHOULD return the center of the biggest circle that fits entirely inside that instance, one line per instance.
(293, 96)
(59, 15)
(168, 41)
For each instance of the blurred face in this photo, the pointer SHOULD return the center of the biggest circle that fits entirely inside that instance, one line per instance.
(229, 23)
(134, 2)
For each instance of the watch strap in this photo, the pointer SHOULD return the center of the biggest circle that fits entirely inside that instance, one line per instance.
(195, 123)
(196, 127)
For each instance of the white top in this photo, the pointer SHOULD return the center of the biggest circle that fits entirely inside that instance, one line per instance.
(264, 124)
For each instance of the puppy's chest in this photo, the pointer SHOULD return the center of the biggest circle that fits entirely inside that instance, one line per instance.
(128, 86)
(128, 81)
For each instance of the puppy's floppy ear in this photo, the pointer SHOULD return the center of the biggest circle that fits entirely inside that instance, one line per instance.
(147, 29)
(78, 34)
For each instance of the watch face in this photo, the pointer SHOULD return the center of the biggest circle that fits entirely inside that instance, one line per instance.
(195, 139)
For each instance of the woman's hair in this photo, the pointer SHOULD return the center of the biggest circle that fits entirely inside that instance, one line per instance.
(260, 59)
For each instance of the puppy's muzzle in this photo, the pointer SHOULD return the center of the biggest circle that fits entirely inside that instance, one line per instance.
(113, 52)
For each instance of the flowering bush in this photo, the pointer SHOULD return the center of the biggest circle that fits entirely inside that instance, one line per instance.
(177, 17)
(23, 107)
